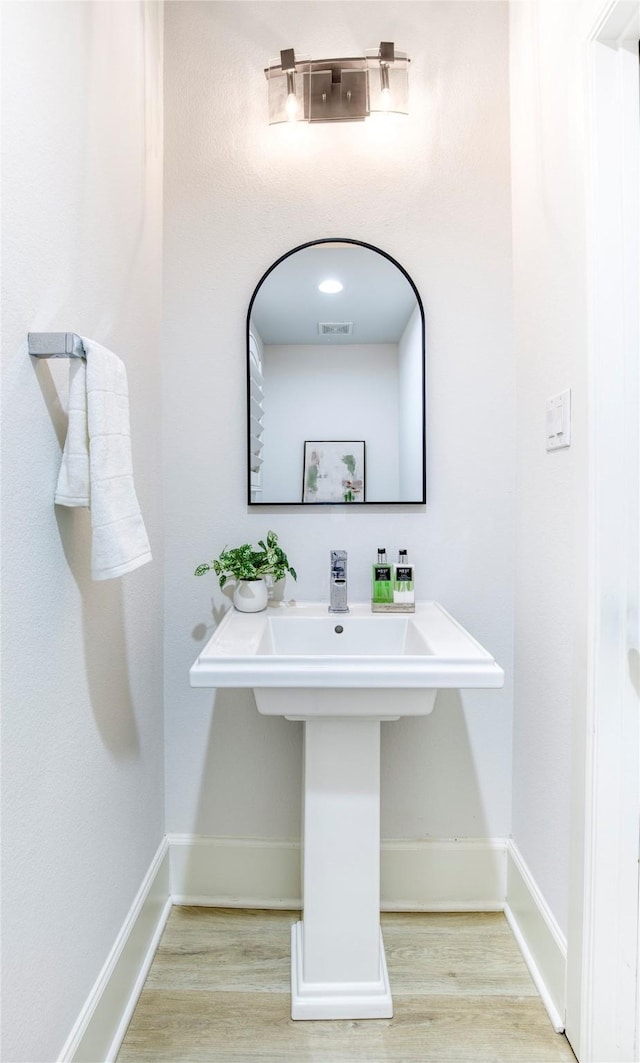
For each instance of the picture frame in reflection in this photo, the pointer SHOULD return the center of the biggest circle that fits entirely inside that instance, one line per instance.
(333, 471)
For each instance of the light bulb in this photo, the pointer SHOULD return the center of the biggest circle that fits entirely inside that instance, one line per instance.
(385, 91)
(330, 286)
(291, 106)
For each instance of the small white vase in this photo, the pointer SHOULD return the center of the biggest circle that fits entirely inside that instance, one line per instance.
(250, 595)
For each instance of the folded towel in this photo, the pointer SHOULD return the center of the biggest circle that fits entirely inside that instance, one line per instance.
(96, 468)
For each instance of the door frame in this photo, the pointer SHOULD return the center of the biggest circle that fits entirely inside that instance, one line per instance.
(602, 1017)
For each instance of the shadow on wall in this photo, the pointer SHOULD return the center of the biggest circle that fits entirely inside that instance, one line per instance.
(633, 658)
(103, 622)
(104, 644)
(252, 774)
(47, 386)
(251, 781)
(202, 632)
(429, 783)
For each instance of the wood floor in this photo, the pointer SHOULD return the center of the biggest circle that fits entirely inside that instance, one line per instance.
(218, 991)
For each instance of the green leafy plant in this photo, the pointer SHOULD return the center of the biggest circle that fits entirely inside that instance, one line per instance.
(246, 563)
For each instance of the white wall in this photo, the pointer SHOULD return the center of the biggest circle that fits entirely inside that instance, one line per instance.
(82, 707)
(82, 747)
(551, 322)
(346, 391)
(433, 191)
(410, 396)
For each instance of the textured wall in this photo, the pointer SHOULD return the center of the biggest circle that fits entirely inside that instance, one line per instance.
(551, 348)
(82, 691)
(433, 191)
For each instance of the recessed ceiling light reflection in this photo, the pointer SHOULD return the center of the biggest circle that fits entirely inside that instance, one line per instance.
(330, 287)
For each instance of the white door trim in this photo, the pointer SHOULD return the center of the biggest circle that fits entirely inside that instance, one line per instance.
(602, 992)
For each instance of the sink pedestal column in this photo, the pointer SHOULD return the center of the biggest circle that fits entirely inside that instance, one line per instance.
(338, 967)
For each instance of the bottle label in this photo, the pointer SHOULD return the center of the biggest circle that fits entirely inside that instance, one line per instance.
(403, 592)
(382, 584)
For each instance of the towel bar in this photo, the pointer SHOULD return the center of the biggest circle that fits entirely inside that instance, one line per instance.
(55, 345)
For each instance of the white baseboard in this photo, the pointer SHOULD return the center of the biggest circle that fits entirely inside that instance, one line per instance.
(235, 872)
(101, 1025)
(447, 875)
(450, 875)
(541, 942)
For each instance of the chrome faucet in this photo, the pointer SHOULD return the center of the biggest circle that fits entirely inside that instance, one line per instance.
(338, 582)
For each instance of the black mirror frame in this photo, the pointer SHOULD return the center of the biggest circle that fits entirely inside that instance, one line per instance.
(274, 265)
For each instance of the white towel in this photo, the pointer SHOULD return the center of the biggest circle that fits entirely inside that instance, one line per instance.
(96, 468)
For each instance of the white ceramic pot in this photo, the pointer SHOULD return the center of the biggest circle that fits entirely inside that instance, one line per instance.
(250, 595)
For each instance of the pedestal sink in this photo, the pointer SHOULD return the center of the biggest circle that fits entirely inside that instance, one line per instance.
(342, 675)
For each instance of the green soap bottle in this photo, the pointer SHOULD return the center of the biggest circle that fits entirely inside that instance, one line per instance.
(381, 581)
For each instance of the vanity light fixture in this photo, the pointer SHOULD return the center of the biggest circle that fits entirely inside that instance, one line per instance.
(330, 286)
(338, 90)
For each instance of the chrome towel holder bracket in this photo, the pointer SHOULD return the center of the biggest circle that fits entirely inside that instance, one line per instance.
(55, 345)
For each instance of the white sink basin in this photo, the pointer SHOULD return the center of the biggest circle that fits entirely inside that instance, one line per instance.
(301, 645)
(328, 635)
(342, 675)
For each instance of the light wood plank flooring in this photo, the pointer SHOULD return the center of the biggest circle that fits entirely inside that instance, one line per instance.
(218, 990)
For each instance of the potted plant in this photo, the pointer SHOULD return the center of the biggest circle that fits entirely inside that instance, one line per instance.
(248, 567)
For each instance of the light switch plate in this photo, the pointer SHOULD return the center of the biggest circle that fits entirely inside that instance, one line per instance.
(558, 420)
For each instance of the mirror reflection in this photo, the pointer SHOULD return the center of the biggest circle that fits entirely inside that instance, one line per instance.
(336, 391)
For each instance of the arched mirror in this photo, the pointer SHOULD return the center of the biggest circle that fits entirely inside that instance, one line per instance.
(336, 379)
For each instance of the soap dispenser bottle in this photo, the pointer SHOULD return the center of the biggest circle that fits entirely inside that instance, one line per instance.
(381, 583)
(403, 583)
